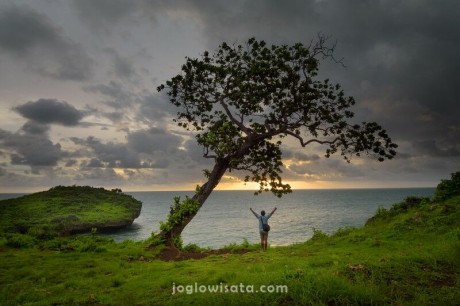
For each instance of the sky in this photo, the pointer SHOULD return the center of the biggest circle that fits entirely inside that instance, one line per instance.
(79, 106)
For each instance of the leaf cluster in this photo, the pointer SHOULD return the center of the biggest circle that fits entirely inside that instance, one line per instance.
(448, 188)
(180, 210)
(243, 100)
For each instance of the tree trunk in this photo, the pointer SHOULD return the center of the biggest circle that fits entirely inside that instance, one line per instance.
(220, 167)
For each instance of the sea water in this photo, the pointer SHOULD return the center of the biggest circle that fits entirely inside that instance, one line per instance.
(225, 217)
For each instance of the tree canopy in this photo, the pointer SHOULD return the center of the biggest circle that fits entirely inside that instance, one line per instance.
(244, 99)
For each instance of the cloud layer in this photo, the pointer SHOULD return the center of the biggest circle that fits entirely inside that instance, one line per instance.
(29, 36)
(78, 79)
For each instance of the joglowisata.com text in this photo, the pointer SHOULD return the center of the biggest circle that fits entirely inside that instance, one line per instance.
(226, 288)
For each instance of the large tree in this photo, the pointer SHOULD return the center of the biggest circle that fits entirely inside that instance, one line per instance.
(242, 101)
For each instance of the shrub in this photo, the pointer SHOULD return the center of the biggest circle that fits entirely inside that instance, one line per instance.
(41, 232)
(408, 203)
(344, 231)
(154, 240)
(179, 211)
(19, 241)
(241, 246)
(318, 235)
(192, 248)
(178, 242)
(56, 244)
(448, 188)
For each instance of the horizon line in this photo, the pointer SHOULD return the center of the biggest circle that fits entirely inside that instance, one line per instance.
(248, 190)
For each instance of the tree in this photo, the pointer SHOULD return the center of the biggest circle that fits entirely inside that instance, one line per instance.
(448, 188)
(243, 100)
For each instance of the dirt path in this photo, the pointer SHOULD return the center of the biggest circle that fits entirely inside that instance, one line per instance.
(173, 254)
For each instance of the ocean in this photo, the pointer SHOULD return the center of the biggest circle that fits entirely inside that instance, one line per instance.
(225, 217)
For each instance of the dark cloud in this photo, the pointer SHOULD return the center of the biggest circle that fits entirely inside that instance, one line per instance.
(161, 163)
(116, 155)
(155, 108)
(124, 67)
(433, 149)
(402, 52)
(21, 29)
(71, 163)
(152, 148)
(153, 139)
(119, 96)
(50, 111)
(30, 149)
(94, 163)
(103, 15)
(106, 175)
(113, 116)
(195, 153)
(33, 39)
(401, 58)
(147, 107)
(306, 157)
(155, 153)
(35, 128)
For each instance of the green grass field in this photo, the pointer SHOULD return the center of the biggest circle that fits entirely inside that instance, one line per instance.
(406, 255)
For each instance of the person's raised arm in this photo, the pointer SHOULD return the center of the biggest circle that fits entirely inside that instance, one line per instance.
(270, 214)
(255, 214)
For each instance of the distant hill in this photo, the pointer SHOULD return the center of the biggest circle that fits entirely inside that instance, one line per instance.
(68, 210)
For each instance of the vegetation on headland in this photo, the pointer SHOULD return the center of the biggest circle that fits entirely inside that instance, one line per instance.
(405, 255)
(64, 210)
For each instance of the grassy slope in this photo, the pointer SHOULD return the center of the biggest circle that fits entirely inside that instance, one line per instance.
(65, 209)
(400, 258)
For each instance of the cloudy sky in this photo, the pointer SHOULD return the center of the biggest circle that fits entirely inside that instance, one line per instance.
(78, 100)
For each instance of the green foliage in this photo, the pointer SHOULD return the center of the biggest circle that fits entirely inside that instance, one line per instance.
(65, 210)
(154, 240)
(398, 208)
(344, 231)
(408, 203)
(20, 241)
(82, 244)
(318, 235)
(448, 188)
(178, 242)
(243, 246)
(90, 244)
(179, 212)
(45, 232)
(194, 248)
(243, 100)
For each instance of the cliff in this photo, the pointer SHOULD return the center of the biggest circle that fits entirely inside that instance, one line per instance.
(67, 210)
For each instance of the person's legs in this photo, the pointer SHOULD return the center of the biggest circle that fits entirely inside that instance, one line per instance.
(263, 240)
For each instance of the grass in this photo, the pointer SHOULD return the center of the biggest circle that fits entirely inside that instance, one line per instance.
(62, 210)
(407, 255)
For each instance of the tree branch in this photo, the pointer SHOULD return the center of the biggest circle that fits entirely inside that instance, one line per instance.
(304, 143)
(320, 48)
(233, 119)
(206, 154)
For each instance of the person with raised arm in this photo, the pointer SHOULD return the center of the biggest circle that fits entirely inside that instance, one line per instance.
(263, 226)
